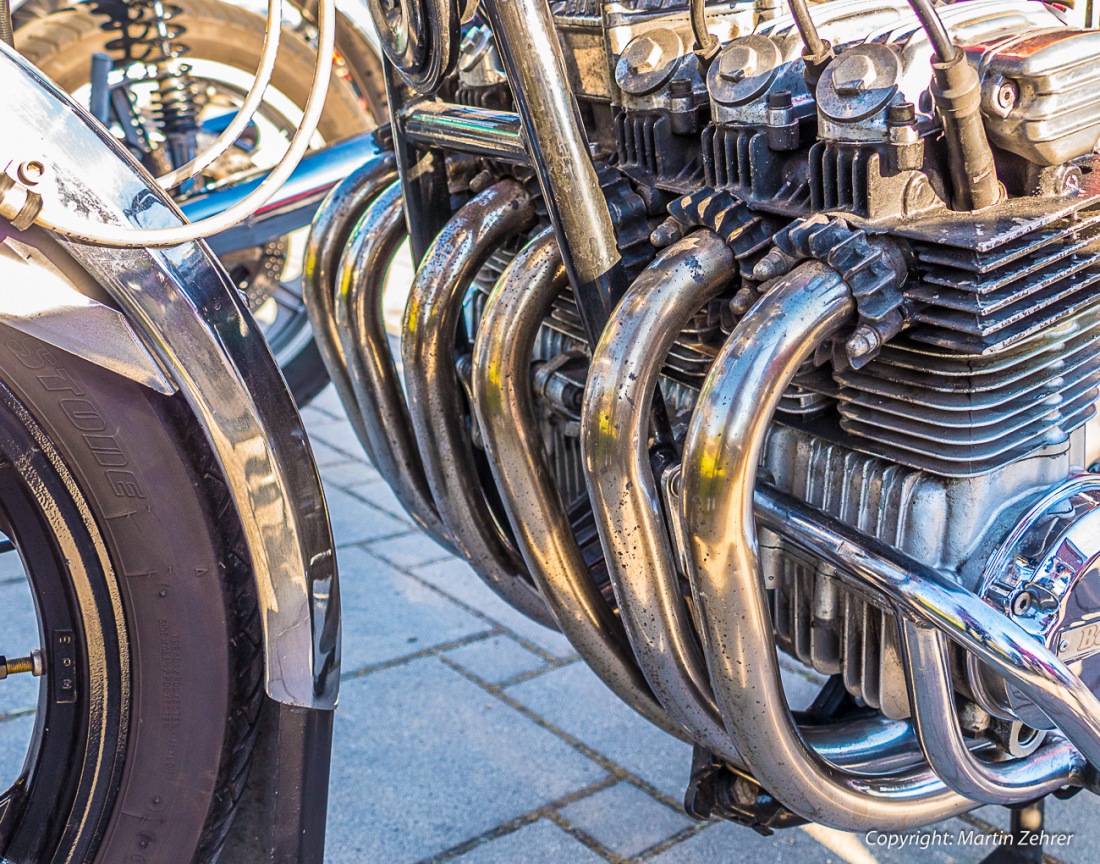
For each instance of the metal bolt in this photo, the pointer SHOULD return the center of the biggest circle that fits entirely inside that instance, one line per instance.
(644, 55)
(1021, 603)
(853, 75)
(31, 171)
(737, 62)
(772, 265)
(863, 342)
(1007, 94)
(32, 663)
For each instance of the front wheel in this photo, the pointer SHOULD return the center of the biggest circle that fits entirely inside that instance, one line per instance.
(141, 621)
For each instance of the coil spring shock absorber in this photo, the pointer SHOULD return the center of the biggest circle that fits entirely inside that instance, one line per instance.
(149, 35)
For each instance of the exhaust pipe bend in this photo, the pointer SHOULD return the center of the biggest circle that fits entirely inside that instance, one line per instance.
(1055, 764)
(327, 236)
(800, 311)
(506, 338)
(360, 280)
(436, 404)
(622, 381)
(618, 400)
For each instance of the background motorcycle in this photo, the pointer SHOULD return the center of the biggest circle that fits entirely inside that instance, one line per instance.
(177, 72)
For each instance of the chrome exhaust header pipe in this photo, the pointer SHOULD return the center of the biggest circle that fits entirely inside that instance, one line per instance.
(1056, 764)
(799, 312)
(384, 416)
(504, 401)
(622, 380)
(721, 454)
(328, 235)
(436, 404)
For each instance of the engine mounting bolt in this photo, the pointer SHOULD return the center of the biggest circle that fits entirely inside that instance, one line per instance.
(31, 171)
(1021, 603)
(863, 342)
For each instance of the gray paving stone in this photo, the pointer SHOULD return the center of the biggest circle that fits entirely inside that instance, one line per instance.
(387, 615)
(574, 700)
(1079, 816)
(425, 760)
(380, 495)
(349, 473)
(539, 842)
(496, 659)
(411, 549)
(625, 819)
(314, 418)
(324, 455)
(342, 437)
(329, 402)
(15, 737)
(724, 843)
(456, 578)
(354, 522)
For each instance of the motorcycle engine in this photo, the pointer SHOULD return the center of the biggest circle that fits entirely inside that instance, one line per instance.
(964, 395)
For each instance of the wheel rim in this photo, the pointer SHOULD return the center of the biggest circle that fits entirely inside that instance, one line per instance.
(59, 802)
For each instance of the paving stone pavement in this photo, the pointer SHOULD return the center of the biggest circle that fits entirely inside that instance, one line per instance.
(468, 734)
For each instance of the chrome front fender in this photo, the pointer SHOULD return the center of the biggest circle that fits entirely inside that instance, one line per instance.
(182, 306)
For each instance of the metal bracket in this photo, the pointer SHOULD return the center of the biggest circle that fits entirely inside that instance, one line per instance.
(59, 307)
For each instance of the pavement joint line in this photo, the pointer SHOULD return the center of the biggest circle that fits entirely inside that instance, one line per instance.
(676, 839)
(362, 672)
(578, 745)
(585, 839)
(15, 715)
(513, 825)
(473, 610)
(990, 828)
(364, 544)
(531, 674)
(402, 517)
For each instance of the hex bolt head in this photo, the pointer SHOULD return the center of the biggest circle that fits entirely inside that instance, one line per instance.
(854, 74)
(30, 172)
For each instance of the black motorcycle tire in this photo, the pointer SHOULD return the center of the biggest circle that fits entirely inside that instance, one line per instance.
(166, 717)
(61, 44)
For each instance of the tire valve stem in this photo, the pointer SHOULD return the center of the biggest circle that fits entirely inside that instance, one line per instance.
(34, 663)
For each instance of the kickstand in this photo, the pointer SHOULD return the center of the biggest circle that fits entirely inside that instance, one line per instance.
(1025, 846)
